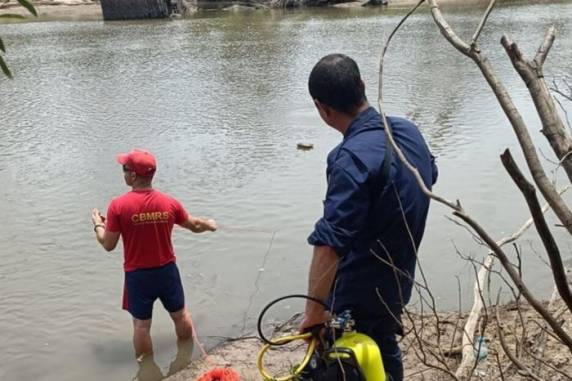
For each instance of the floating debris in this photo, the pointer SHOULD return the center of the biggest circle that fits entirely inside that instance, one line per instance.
(305, 146)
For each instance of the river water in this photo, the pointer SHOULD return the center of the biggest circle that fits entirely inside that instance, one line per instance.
(221, 100)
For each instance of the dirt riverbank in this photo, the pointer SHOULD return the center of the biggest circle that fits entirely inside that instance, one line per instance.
(538, 352)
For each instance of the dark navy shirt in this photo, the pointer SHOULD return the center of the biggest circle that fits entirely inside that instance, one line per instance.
(363, 220)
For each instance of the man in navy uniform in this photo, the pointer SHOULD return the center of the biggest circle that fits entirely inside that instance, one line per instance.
(365, 244)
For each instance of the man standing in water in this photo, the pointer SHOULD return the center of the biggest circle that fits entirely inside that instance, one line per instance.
(365, 244)
(144, 218)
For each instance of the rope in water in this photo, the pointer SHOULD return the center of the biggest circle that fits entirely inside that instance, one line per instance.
(229, 374)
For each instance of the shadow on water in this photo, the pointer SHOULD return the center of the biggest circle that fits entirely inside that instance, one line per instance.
(113, 353)
(148, 370)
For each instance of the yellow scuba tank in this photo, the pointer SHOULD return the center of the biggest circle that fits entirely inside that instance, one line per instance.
(365, 351)
(352, 356)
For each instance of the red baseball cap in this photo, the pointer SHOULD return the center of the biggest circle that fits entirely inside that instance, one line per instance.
(139, 161)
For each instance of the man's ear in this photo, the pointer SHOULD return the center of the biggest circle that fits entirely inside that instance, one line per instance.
(323, 108)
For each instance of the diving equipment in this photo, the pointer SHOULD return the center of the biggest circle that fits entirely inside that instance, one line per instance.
(347, 355)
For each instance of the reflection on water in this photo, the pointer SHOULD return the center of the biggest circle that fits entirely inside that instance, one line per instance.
(148, 369)
(222, 101)
(183, 357)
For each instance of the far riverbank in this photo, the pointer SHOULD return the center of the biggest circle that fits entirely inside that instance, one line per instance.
(90, 10)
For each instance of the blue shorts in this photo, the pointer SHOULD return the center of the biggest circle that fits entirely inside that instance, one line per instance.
(144, 286)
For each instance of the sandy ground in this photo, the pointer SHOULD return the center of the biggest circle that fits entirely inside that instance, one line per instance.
(420, 360)
(57, 10)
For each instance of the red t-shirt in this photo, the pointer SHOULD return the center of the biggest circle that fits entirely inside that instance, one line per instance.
(145, 220)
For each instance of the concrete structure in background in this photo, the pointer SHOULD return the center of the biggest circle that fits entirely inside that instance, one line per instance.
(135, 9)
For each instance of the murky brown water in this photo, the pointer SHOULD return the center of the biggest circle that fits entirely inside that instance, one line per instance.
(221, 99)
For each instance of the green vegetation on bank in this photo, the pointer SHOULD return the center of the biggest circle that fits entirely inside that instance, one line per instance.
(26, 4)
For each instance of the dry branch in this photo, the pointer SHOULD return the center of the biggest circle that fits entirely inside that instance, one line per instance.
(513, 274)
(541, 179)
(552, 250)
(482, 24)
(468, 356)
(557, 90)
(531, 73)
(508, 352)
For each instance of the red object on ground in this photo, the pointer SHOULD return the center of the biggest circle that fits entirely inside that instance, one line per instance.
(220, 374)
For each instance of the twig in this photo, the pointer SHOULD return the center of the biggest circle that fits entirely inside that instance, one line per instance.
(507, 351)
(501, 374)
(476, 238)
(486, 267)
(563, 335)
(547, 364)
(556, 90)
(482, 24)
(380, 85)
(459, 312)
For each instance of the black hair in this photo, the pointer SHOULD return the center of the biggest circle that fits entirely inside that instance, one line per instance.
(336, 82)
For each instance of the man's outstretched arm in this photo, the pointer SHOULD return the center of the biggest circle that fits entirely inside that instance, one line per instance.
(199, 225)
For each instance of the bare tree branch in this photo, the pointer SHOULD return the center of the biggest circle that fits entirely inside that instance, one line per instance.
(501, 373)
(531, 73)
(550, 128)
(448, 32)
(515, 118)
(543, 50)
(380, 84)
(482, 24)
(552, 250)
(475, 237)
(471, 322)
(483, 325)
(507, 351)
(566, 339)
(560, 92)
(547, 364)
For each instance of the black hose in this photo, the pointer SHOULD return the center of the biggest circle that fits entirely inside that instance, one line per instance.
(294, 296)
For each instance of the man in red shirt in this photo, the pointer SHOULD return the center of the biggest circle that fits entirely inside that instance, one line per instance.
(144, 218)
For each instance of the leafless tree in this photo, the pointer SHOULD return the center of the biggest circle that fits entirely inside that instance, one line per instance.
(560, 140)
